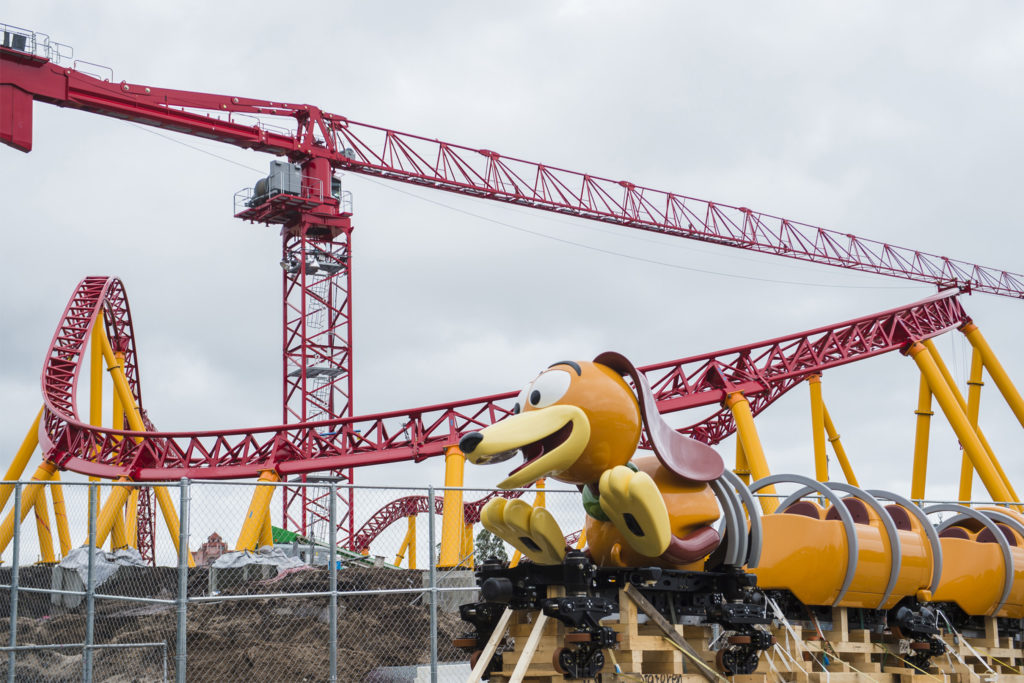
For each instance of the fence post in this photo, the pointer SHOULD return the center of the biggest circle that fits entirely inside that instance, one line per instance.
(15, 561)
(332, 612)
(433, 585)
(90, 589)
(181, 654)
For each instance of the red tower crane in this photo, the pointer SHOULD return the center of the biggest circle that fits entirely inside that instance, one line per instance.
(303, 196)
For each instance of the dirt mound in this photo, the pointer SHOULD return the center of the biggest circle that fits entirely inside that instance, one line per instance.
(257, 638)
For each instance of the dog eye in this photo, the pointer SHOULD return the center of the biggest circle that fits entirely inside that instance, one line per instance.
(521, 400)
(549, 387)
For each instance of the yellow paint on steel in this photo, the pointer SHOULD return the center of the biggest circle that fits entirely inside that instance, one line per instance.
(818, 428)
(958, 421)
(452, 514)
(837, 447)
(974, 385)
(742, 470)
(118, 532)
(266, 531)
(259, 508)
(21, 458)
(96, 373)
(922, 431)
(29, 496)
(995, 370)
(123, 391)
(467, 546)
(131, 518)
(951, 383)
(113, 507)
(582, 540)
(163, 499)
(60, 515)
(43, 530)
(747, 434)
(408, 544)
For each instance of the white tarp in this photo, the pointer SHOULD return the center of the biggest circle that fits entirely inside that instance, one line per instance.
(72, 573)
(265, 555)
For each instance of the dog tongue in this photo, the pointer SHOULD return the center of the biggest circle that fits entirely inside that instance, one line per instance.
(695, 546)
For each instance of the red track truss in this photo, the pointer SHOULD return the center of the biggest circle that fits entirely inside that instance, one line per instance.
(310, 133)
(763, 372)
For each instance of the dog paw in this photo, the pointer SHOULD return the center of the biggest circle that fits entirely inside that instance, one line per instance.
(634, 505)
(532, 531)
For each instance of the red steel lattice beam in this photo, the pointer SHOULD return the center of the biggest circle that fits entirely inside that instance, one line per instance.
(377, 151)
(762, 371)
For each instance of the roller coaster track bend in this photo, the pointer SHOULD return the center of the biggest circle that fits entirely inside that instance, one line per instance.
(762, 372)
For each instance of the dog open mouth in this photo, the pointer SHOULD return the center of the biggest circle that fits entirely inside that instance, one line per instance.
(532, 451)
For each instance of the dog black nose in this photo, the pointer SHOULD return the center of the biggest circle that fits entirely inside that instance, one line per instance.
(470, 441)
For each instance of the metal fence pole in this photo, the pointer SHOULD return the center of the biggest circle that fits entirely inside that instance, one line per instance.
(181, 654)
(15, 561)
(433, 586)
(90, 588)
(332, 612)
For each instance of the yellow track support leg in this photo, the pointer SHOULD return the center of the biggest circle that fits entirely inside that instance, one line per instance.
(959, 422)
(974, 385)
(163, 499)
(43, 529)
(742, 469)
(468, 550)
(131, 519)
(580, 544)
(60, 515)
(259, 506)
(837, 447)
(266, 531)
(922, 430)
(112, 508)
(29, 496)
(995, 370)
(452, 515)
(408, 544)
(818, 428)
(20, 461)
(747, 434)
(951, 383)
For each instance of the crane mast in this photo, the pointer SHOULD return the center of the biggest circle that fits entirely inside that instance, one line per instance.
(302, 196)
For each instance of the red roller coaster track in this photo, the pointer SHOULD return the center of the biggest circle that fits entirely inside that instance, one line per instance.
(763, 372)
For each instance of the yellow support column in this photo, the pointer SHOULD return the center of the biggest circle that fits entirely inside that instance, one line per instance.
(837, 448)
(259, 506)
(29, 496)
(951, 383)
(747, 434)
(742, 469)
(112, 508)
(974, 385)
(266, 531)
(131, 518)
(60, 515)
(170, 515)
(923, 429)
(583, 539)
(995, 370)
(408, 543)
(468, 559)
(818, 428)
(43, 529)
(959, 422)
(20, 461)
(452, 515)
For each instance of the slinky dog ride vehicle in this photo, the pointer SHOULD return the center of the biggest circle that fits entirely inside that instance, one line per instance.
(875, 552)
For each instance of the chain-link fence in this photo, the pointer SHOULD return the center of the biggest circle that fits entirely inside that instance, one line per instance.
(166, 595)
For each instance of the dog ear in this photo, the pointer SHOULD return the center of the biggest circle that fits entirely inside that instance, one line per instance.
(686, 457)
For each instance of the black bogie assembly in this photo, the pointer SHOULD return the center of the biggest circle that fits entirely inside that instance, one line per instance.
(729, 599)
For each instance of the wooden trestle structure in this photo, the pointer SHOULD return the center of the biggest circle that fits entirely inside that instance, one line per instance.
(653, 651)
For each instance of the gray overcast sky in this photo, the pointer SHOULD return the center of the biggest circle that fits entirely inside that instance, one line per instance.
(897, 122)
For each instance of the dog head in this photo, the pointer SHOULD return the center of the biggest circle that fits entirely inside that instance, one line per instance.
(577, 419)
